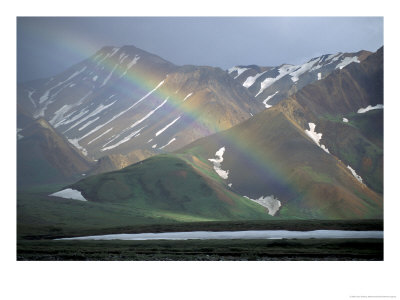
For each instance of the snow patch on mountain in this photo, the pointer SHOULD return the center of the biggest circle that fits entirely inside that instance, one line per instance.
(345, 120)
(69, 194)
(171, 141)
(167, 126)
(319, 76)
(98, 110)
(109, 76)
(369, 107)
(238, 69)
(316, 137)
(269, 98)
(283, 70)
(217, 163)
(46, 94)
(334, 57)
(130, 65)
(303, 69)
(187, 96)
(154, 146)
(113, 51)
(149, 114)
(95, 78)
(124, 140)
(270, 202)
(251, 79)
(123, 112)
(75, 142)
(346, 61)
(19, 136)
(355, 174)
(88, 123)
(104, 133)
(30, 93)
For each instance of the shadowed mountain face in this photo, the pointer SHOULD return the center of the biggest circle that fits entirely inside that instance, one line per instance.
(45, 157)
(123, 101)
(314, 155)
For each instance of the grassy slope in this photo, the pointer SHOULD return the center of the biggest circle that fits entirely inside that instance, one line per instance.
(167, 186)
(270, 155)
(358, 143)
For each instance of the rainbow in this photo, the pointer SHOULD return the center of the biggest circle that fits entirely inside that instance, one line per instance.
(254, 158)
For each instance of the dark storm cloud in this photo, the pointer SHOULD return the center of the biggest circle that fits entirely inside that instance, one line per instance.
(47, 46)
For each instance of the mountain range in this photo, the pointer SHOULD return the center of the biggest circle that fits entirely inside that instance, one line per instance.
(251, 142)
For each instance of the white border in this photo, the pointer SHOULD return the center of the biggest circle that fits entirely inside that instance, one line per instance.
(176, 280)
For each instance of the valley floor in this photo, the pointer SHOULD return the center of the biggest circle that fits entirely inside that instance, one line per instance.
(203, 250)
(40, 219)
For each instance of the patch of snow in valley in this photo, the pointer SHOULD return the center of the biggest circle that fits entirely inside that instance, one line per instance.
(369, 107)
(268, 98)
(346, 61)
(167, 126)
(217, 163)
(345, 120)
(355, 174)
(251, 79)
(316, 137)
(270, 202)
(187, 96)
(172, 140)
(69, 194)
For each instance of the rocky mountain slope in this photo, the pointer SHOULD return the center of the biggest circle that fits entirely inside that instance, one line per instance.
(298, 159)
(272, 84)
(125, 101)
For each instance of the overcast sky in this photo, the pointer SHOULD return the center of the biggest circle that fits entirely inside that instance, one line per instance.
(47, 46)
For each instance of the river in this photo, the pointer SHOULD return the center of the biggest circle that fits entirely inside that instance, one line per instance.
(221, 235)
